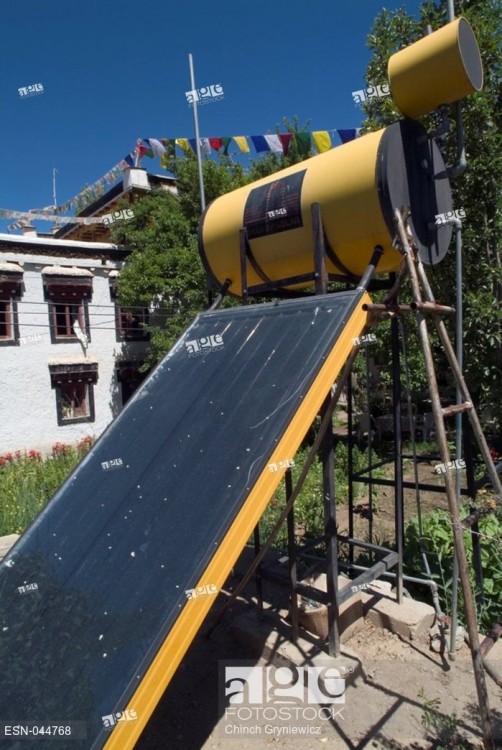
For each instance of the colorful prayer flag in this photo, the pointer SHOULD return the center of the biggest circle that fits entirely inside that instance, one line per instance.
(322, 140)
(274, 143)
(242, 143)
(183, 144)
(347, 135)
(285, 139)
(260, 143)
(303, 143)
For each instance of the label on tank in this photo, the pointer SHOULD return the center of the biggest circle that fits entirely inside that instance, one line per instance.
(275, 207)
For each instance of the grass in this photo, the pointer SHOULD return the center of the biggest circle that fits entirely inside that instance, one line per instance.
(28, 481)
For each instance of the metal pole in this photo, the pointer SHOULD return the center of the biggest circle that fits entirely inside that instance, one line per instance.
(54, 200)
(398, 456)
(458, 423)
(293, 605)
(197, 138)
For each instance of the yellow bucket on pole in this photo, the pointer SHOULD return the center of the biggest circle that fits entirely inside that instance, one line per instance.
(358, 186)
(441, 68)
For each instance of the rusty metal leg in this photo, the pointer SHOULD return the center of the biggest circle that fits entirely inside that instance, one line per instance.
(328, 481)
(293, 605)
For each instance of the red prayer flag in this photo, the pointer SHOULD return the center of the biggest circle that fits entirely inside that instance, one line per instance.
(285, 139)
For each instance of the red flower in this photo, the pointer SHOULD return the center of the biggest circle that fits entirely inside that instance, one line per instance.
(85, 443)
(60, 448)
(36, 455)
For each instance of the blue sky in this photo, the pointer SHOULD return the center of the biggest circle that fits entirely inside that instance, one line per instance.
(117, 70)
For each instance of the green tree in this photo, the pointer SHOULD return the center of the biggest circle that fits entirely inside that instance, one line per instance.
(164, 272)
(477, 190)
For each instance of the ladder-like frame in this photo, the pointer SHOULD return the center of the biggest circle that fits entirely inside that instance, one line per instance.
(419, 284)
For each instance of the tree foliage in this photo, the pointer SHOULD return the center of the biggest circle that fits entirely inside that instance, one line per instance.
(477, 190)
(164, 272)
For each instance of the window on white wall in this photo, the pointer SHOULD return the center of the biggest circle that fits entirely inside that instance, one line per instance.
(130, 322)
(68, 292)
(74, 388)
(11, 286)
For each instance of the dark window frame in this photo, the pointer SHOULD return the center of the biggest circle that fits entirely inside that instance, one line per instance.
(11, 287)
(123, 332)
(130, 377)
(68, 300)
(66, 377)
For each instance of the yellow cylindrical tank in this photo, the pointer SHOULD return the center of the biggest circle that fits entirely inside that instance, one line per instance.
(358, 186)
(441, 68)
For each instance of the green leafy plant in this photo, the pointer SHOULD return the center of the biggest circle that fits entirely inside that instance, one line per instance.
(309, 507)
(445, 728)
(28, 481)
(437, 543)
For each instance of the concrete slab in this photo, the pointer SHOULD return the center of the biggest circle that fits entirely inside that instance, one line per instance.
(6, 542)
(315, 620)
(411, 619)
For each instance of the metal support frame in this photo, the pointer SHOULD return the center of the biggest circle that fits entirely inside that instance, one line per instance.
(398, 460)
(324, 445)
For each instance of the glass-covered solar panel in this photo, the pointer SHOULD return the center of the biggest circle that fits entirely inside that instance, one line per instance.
(91, 590)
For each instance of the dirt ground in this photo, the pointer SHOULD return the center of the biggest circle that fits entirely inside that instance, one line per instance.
(385, 697)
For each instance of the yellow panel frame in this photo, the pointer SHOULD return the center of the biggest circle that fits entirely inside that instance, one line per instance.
(184, 630)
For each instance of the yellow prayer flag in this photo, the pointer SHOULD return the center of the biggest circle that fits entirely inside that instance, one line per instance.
(241, 143)
(183, 144)
(322, 140)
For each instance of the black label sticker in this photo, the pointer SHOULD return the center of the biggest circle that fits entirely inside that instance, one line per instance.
(275, 207)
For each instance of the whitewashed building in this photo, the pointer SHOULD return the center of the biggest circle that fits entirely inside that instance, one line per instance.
(70, 357)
